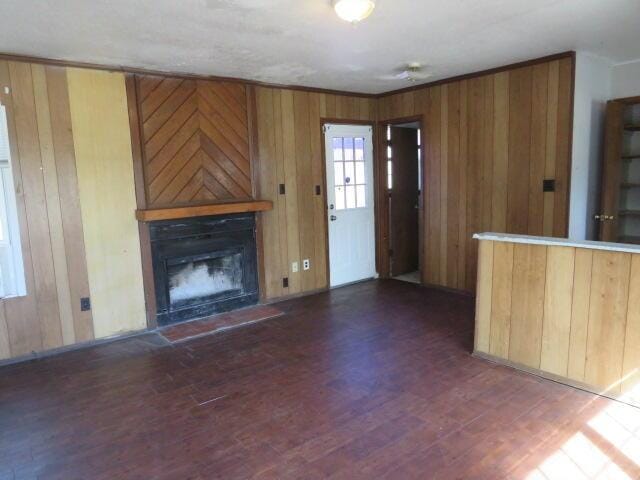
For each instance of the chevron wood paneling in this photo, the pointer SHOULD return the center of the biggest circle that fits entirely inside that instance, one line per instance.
(195, 140)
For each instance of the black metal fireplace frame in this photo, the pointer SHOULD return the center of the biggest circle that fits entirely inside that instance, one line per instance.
(201, 238)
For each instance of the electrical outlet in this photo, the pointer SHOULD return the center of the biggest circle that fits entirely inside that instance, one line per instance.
(294, 267)
(85, 304)
(306, 264)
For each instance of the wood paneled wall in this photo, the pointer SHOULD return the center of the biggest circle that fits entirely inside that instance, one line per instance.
(195, 139)
(44, 171)
(52, 220)
(489, 142)
(107, 197)
(290, 151)
(570, 312)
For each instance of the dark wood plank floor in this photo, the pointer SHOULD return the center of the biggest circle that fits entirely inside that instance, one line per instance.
(369, 381)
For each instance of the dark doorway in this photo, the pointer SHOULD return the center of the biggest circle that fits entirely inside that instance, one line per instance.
(403, 183)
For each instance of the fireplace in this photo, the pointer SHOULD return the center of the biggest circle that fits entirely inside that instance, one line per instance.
(203, 265)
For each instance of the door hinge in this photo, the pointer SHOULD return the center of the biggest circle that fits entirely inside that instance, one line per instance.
(281, 189)
(318, 190)
(285, 282)
(325, 128)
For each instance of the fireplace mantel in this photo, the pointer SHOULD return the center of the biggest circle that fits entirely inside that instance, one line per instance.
(156, 214)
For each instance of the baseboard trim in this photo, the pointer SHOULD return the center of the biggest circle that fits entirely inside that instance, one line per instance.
(76, 346)
(556, 378)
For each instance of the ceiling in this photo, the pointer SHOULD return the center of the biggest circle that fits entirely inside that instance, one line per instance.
(302, 42)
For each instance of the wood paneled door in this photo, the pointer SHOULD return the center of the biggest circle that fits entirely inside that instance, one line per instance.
(195, 140)
(404, 201)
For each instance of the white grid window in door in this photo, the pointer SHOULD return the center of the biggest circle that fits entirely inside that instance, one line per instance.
(349, 172)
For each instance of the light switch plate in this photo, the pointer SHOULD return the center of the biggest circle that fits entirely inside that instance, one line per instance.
(294, 267)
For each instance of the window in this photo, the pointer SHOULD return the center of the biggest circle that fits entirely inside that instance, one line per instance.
(11, 268)
(349, 172)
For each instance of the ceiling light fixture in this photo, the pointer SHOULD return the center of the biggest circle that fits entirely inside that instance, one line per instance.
(354, 11)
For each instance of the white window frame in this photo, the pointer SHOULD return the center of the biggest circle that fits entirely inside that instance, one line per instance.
(12, 279)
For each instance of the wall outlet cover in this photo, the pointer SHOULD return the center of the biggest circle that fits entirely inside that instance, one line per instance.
(306, 264)
(85, 304)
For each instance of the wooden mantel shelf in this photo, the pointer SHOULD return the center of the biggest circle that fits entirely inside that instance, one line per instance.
(152, 215)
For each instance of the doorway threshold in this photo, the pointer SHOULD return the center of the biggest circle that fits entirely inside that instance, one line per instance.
(411, 277)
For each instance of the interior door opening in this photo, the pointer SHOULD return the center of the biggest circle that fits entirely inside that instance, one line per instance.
(404, 186)
(350, 203)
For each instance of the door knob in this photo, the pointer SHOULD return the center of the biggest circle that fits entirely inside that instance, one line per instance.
(604, 218)
(333, 218)
(331, 207)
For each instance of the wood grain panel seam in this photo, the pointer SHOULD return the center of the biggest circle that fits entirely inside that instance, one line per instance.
(149, 138)
(573, 289)
(586, 349)
(154, 196)
(626, 321)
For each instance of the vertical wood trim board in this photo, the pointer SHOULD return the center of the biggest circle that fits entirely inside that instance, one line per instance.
(483, 296)
(556, 326)
(529, 275)
(607, 319)
(501, 294)
(572, 313)
(106, 186)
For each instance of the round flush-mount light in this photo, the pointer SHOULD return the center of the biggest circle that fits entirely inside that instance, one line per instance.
(354, 11)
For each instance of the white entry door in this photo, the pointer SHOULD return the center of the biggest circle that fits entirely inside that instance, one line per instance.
(349, 151)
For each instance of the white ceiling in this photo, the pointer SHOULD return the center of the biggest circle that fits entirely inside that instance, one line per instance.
(302, 42)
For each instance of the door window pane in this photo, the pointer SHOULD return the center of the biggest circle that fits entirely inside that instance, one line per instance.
(351, 196)
(359, 147)
(361, 196)
(338, 168)
(339, 198)
(349, 173)
(337, 149)
(348, 148)
(360, 180)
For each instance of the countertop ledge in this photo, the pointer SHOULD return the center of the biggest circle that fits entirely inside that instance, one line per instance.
(561, 242)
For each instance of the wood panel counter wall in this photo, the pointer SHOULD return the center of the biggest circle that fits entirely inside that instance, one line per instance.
(489, 141)
(568, 311)
(71, 159)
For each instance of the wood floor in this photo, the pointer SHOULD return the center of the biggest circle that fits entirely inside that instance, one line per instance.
(370, 381)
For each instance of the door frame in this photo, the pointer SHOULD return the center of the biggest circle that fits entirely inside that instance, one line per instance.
(374, 140)
(383, 259)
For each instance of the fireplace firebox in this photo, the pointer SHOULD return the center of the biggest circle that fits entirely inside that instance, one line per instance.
(203, 265)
